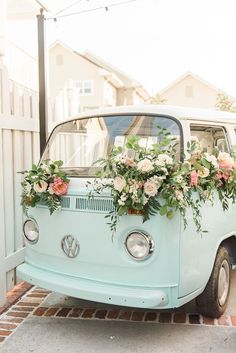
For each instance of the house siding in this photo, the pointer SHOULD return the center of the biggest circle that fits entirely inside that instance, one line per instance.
(74, 67)
(200, 95)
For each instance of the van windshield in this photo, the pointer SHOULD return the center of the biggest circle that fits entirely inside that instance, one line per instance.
(81, 142)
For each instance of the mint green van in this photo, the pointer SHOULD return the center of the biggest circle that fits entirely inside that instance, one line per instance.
(158, 264)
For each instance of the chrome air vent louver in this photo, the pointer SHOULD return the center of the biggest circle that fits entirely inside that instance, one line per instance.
(95, 204)
(65, 202)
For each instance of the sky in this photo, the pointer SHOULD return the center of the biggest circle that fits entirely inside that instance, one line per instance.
(154, 41)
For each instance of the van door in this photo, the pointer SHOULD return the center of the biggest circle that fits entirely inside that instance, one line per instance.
(197, 251)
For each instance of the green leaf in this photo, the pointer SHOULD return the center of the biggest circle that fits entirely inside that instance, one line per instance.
(59, 163)
(206, 163)
(122, 210)
(163, 210)
(170, 214)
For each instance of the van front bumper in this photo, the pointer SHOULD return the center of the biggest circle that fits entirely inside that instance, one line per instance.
(140, 297)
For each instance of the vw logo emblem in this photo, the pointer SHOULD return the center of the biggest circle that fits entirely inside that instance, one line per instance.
(70, 246)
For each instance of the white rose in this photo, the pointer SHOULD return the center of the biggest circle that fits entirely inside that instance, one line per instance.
(150, 188)
(123, 197)
(145, 165)
(179, 179)
(40, 186)
(224, 156)
(119, 183)
(203, 173)
(211, 159)
(163, 159)
(121, 203)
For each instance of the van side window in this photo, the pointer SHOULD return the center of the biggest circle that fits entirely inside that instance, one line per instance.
(209, 137)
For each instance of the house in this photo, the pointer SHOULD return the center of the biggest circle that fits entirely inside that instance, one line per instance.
(20, 18)
(98, 83)
(190, 90)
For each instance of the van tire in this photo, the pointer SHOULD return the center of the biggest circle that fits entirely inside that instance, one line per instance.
(213, 301)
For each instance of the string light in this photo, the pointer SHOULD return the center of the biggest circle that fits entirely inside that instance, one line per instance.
(68, 7)
(106, 8)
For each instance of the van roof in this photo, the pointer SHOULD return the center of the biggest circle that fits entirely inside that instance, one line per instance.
(181, 113)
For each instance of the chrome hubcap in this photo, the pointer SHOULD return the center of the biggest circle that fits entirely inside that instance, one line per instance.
(223, 283)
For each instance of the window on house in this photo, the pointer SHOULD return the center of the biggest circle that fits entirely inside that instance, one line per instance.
(188, 91)
(85, 87)
(209, 137)
(59, 59)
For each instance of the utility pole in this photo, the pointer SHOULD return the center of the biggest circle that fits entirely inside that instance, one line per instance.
(43, 111)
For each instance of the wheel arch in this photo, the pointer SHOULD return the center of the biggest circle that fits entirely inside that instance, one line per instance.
(229, 242)
(230, 245)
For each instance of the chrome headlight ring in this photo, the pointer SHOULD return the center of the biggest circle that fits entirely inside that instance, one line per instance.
(31, 231)
(139, 245)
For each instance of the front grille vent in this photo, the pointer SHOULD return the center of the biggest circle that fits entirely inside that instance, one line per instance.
(65, 202)
(94, 204)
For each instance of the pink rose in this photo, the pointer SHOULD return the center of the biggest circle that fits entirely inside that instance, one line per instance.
(58, 187)
(221, 175)
(194, 178)
(225, 161)
(226, 165)
(225, 176)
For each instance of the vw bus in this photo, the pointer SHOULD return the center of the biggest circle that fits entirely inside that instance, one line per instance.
(159, 264)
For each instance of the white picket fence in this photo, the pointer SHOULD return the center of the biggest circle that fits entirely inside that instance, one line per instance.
(19, 147)
(21, 66)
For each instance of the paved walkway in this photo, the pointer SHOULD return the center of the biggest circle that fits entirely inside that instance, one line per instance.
(45, 335)
(41, 321)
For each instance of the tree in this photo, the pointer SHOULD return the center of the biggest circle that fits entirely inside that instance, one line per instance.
(225, 103)
(156, 99)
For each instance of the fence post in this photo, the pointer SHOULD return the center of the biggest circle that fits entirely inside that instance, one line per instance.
(43, 113)
(3, 285)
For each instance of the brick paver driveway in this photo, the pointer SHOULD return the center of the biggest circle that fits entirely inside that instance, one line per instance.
(42, 321)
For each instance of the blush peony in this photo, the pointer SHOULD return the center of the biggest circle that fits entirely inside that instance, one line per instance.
(225, 161)
(150, 188)
(58, 187)
(119, 183)
(145, 165)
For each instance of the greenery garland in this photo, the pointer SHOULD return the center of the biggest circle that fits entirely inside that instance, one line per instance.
(152, 181)
(44, 183)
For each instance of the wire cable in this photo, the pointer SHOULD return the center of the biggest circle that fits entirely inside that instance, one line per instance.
(91, 10)
(68, 7)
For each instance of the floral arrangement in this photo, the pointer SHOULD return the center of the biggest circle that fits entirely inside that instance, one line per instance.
(151, 180)
(45, 183)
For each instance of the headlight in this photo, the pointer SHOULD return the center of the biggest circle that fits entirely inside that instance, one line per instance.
(31, 231)
(139, 245)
